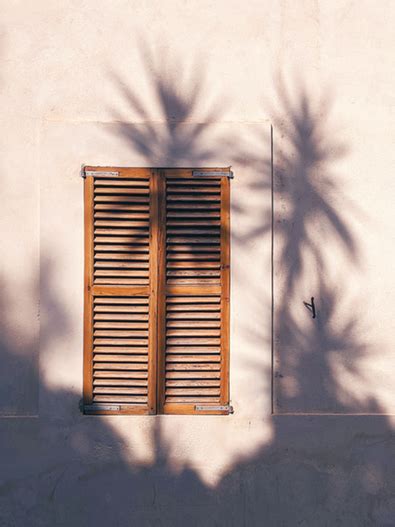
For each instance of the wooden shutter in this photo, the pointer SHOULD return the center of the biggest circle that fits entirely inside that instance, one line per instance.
(156, 329)
(120, 291)
(194, 294)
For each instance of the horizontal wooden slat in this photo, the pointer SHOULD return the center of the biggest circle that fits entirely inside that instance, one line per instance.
(191, 222)
(193, 349)
(120, 190)
(191, 315)
(191, 333)
(122, 265)
(122, 272)
(193, 273)
(111, 300)
(120, 342)
(120, 399)
(132, 240)
(192, 375)
(121, 325)
(118, 231)
(116, 200)
(117, 214)
(179, 206)
(195, 399)
(120, 374)
(120, 366)
(192, 358)
(135, 311)
(124, 248)
(116, 223)
(122, 281)
(122, 182)
(121, 316)
(121, 390)
(98, 357)
(119, 382)
(193, 323)
(120, 333)
(130, 257)
(192, 391)
(191, 367)
(193, 383)
(120, 349)
(194, 257)
(192, 247)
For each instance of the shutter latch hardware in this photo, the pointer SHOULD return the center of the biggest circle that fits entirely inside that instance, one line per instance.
(208, 408)
(212, 173)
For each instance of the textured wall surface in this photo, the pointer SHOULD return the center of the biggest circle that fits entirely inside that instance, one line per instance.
(201, 83)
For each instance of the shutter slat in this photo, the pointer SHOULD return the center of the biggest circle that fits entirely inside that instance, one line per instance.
(120, 390)
(121, 223)
(193, 358)
(131, 257)
(119, 382)
(119, 190)
(122, 265)
(134, 399)
(192, 375)
(120, 316)
(191, 367)
(120, 375)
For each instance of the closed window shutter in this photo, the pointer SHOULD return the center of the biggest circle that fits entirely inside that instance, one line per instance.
(194, 294)
(120, 287)
(156, 330)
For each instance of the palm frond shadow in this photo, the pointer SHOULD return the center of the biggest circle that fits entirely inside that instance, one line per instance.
(66, 467)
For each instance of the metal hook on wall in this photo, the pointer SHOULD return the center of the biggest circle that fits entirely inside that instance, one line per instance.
(311, 307)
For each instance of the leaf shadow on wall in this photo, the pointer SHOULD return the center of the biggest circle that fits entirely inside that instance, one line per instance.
(316, 471)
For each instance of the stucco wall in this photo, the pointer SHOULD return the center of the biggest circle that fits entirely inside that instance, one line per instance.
(298, 98)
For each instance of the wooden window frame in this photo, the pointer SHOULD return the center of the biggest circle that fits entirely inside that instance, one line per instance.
(157, 290)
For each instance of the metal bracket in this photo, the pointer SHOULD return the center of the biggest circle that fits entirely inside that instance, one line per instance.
(100, 173)
(93, 408)
(212, 173)
(207, 408)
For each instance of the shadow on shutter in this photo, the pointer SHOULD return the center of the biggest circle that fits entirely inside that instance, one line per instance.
(196, 290)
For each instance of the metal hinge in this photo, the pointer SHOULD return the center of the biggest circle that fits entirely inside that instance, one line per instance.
(212, 173)
(208, 408)
(93, 408)
(98, 173)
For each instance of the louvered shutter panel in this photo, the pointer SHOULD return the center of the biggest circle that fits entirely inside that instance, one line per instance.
(120, 291)
(194, 294)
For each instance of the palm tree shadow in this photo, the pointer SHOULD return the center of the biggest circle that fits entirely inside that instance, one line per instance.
(168, 134)
(66, 468)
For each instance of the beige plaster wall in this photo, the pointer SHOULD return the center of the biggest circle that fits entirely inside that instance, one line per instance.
(187, 83)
